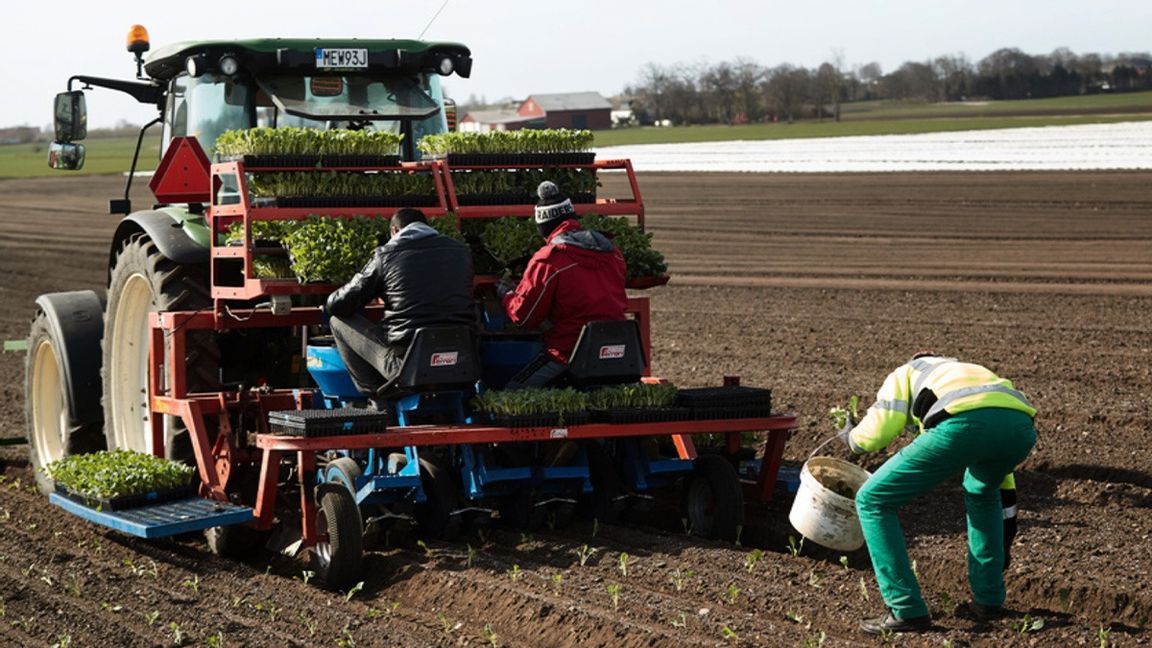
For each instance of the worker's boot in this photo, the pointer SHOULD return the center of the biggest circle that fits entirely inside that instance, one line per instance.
(891, 623)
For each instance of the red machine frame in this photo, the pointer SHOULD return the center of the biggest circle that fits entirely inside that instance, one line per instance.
(218, 462)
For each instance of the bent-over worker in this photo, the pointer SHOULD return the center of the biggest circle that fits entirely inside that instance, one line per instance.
(972, 421)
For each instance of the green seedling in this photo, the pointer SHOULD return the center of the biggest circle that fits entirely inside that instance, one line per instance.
(680, 621)
(814, 578)
(844, 561)
(428, 552)
(62, 641)
(270, 608)
(514, 573)
(238, 600)
(557, 582)
(728, 633)
(489, 635)
(679, 578)
(448, 625)
(74, 586)
(816, 640)
(471, 556)
(352, 592)
(794, 617)
(1029, 624)
(1104, 635)
(192, 584)
(915, 571)
(752, 559)
(309, 624)
(584, 553)
(794, 547)
(216, 640)
(346, 639)
(614, 592)
(730, 594)
(373, 613)
(624, 564)
(863, 589)
(307, 575)
(109, 607)
(840, 415)
(151, 617)
(177, 633)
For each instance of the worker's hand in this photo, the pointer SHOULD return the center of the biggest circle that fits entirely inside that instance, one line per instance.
(504, 286)
(845, 434)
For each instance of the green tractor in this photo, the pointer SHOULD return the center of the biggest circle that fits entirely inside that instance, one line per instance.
(88, 370)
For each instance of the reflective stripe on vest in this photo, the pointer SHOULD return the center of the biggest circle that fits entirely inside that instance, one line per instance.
(925, 368)
(953, 396)
(892, 406)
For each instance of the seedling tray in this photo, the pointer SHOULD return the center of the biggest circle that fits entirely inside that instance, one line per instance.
(123, 502)
(288, 161)
(547, 419)
(327, 422)
(726, 402)
(496, 159)
(322, 202)
(477, 199)
(641, 414)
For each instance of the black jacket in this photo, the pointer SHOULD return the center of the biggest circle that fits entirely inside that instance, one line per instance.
(424, 278)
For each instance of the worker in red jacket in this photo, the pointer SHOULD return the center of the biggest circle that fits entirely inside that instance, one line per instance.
(578, 277)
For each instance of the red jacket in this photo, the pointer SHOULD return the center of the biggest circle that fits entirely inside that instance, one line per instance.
(577, 278)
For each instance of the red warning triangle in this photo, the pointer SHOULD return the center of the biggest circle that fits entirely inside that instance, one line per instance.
(183, 175)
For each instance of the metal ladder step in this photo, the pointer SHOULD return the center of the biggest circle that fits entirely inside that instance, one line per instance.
(161, 520)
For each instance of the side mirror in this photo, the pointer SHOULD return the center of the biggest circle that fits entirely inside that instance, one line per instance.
(71, 116)
(66, 155)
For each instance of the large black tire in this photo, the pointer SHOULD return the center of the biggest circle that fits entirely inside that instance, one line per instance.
(435, 516)
(346, 471)
(51, 432)
(604, 503)
(140, 267)
(714, 499)
(338, 562)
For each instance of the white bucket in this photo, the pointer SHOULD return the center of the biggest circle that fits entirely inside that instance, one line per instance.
(822, 515)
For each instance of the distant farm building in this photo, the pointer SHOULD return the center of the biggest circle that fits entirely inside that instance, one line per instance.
(569, 110)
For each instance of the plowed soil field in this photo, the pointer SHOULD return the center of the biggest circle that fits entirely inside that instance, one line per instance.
(813, 285)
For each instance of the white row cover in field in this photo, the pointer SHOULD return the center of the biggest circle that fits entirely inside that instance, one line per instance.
(1126, 145)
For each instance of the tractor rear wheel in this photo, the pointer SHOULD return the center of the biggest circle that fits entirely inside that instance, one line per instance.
(141, 282)
(714, 499)
(337, 560)
(52, 435)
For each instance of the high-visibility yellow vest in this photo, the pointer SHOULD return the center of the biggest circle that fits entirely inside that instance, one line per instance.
(928, 390)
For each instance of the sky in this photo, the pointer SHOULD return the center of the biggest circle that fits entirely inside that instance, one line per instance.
(521, 47)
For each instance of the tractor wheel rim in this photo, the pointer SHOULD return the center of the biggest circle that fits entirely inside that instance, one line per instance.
(131, 414)
(49, 405)
(702, 503)
(322, 548)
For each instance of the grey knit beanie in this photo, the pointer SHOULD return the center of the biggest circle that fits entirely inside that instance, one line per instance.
(553, 206)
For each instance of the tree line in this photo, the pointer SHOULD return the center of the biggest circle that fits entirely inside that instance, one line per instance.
(743, 90)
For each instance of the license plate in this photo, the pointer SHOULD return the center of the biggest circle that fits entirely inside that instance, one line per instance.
(341, 57)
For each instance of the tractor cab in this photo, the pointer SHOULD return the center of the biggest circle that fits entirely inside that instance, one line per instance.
(202, 89)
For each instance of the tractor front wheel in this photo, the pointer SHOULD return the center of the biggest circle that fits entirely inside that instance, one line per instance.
(714, 499)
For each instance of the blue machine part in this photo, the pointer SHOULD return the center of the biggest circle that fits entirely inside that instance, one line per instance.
(643, 473)
(483, 480)
(327, 368)
(161, 520)
(502, 358)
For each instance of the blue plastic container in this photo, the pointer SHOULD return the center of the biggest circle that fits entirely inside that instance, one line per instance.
(327, 368)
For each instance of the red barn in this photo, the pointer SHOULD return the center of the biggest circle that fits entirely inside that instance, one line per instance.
(578, 110)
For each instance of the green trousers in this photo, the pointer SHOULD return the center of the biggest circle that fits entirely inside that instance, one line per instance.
(986, 444)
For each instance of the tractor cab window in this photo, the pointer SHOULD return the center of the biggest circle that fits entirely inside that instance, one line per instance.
(204, 107)
(349, 98)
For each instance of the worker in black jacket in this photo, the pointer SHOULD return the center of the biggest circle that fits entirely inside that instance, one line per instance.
(424, 279)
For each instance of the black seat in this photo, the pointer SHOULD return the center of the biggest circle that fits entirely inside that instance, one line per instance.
(607, 353)
(439, 358)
